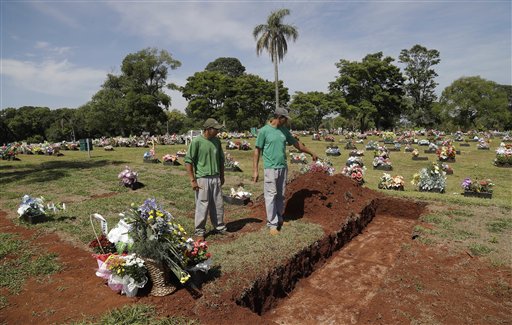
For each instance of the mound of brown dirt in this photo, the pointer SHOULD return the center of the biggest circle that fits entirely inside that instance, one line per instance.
(323, 199)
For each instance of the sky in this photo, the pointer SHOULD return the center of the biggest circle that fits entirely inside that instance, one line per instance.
(58, 53)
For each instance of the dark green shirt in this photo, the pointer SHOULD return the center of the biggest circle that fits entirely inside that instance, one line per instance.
(206, 156)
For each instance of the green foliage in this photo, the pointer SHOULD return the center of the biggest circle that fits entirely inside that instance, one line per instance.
(228, 66)
(373, 89)
(420, 84)
(310, 108)
(499, 225)
(473, 102)
(479, 249)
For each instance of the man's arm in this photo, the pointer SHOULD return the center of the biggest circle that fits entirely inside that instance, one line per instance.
(255, 163)
(191, 176)
(303, 148)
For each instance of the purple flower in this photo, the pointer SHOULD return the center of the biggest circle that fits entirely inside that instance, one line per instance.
(466, 183)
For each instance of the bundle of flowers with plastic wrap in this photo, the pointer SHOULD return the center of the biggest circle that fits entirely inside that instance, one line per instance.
(389, 182)
(333, 151)
(197, 257)
(126, 273)
(298, 158)
(9, 152)
(446, 152)
(381, 162)
(127, 177)
(372, 145)
(356, 172)
(430, 179)
(319, 166)
(240, 193)
(230, 162)
(482, 144)
(388, 137)
(34, 209)
(381, 151)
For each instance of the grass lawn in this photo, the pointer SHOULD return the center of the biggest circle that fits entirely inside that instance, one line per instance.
(90, 185)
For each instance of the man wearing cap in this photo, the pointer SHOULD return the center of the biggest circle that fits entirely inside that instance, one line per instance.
(205, 167)
(271, 143)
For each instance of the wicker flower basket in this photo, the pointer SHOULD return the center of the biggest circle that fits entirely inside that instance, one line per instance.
(159, 276)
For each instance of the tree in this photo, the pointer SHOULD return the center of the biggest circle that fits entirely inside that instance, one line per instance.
(176, 121)
(372, 88)
(229, 66)
(420, 84)
(473, 102)
(272, 38)
(309, 109)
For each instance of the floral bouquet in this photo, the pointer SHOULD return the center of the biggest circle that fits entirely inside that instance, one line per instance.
(381, 152)
(157, 236)
(424, 142)
(355, 171)
(391, 183)
(319, 166)
(169, 159)
(430, 179)
(503, 155)
(332, 151)
(240, 193)
(350, 145)
(230, 145)
(108, 148)
(181, 153)
(372, 145)
(356, 153)
(354, 160)
(447, 169)
(197, 256)
(415, 153)
(483, 186)
(127, 177)
(9, 152)
(381, 162)
(34, 210)
(244, 145)
(231, 163)
(329, 138)
(149, 156)
(127, 273)
(432, 147)
(102, 245)
(388, 137)
(482, 144)
(446, 152)
(298, 158)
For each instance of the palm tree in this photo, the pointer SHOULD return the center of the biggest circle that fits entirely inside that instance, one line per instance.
(273, 39)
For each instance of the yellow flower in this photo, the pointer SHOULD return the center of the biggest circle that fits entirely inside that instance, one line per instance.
(184, 277)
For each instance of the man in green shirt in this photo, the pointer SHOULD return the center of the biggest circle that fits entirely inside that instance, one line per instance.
(271, 143)
(205, 167)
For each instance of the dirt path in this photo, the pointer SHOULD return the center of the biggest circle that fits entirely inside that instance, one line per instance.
(337, 292)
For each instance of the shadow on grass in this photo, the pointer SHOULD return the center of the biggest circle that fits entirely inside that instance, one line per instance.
(236, 225)
(52, 170)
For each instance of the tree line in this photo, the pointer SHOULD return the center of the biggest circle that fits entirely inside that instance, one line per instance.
(371, 93)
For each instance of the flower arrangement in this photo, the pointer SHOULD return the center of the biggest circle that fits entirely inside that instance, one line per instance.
(298, 158)
(391, 183)
(388, 137)
(432, 147)
(354, 160)
(149, 156)
(196, 252)
(446, 152)
(240, 193)
(34, 210)
(244, 145)
(381, 151)
(332, 151)
(482, 144)
(503, 155)
(372, 145)
(125, 273)
(102, 245)
(415, 153)
(230, 145)
(329, 138)
(181, 153)
(356, 172)
(447, 169)
(356, 153)
(230, 162)
(157, 236)
(381, 162)
(350, 145)
(430, 179)
(9, 152)
(127, 177)
(319, 166)
(483, 186)
(316, 137)
(423, 142)
(108, 148)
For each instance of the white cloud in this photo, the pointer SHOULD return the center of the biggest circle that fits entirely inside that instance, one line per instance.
(52, 78)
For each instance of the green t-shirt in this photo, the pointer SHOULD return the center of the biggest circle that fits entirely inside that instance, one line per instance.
(272, 141)
(206, 156)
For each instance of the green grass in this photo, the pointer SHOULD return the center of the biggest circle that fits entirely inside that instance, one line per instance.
(480, 226)
(137, 314)
(19, 260)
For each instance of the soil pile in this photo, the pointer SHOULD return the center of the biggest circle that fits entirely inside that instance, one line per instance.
(323, 199)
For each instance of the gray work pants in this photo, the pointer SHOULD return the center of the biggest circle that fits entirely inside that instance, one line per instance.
(273, 189)
(209, 200)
